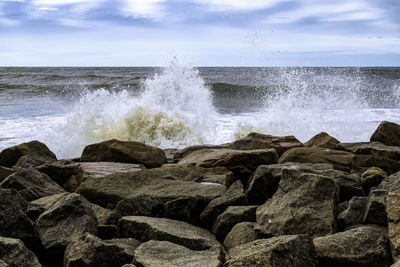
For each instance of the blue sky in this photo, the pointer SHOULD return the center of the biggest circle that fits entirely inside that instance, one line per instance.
(204, 32)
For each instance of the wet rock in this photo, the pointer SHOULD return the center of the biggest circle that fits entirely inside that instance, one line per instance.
(125, 152)
(31, 184)
(371, 178)
(362, 246)
(289, 250)
(387, 133)
(4, 172)
(240, 234)
(164, 253)
(232, 216)
(241, 162)
(322, 140)
(304, 204)
(14, 221)
(10, 156)
(68, 218)
(165, 184)
(233, 196)
(89, 250)
(13, 253)
(38, 206)
(393, 215)
(353, 214)
(262, 141)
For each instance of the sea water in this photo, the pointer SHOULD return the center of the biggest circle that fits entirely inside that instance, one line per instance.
(180, 105)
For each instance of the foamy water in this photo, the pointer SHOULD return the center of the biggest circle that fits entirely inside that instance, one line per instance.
(175, 107)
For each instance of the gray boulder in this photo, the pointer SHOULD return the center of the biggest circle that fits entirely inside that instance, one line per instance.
(13, 253)
(240, 234)
(387, 133)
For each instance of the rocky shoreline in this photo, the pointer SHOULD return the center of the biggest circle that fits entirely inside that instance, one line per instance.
(259, 201)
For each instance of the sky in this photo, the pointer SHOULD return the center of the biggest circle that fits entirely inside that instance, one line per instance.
(203, 32)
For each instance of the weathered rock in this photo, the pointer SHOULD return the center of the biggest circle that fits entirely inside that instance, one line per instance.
(233, 196)
(375, 210)
(101, 169)
(353, 214)
(371, 178)
(393, 216)
(340, 160)
(31, 184)
(322, 140)
(240, 234)
(181, 153)
(103, 215)
(38, 206)
(387, 133)
(10, 156)
(162, 229)
(13, 219)
(165, 184)
(28, 161)
(304, 204)
(124, 151)
(14, 253)
(372, 148)
(232, 216)
(89, 250)
(363, 162)
(167, 254)
(66, 220)
(261, 141)
(362, 246)
(241, 162)
(60, 171)
(4, 172)
(289, 250)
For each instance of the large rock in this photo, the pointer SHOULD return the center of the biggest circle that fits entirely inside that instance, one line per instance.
(240, 234)
(231, 216)
(103, 215)
(14, 253)
(4, 172)
(31, 184)
(241, 162)
(304, 204)
(387, 133)
(40, 205)
(393, 216)
(322, 140)
(261, 141)
(289, 250)
(233, 196)
(14, 221)
(372, 148)
(166, 184)
(10, 156)
(362, 246)
(371, 178)
(353, 213)
(66, 220)
(181, 153)
(163, 253)
(60, 171)
(91, 251)
(124, 151)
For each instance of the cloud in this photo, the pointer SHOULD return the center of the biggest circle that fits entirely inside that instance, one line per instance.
(237, 5)
(152, 9)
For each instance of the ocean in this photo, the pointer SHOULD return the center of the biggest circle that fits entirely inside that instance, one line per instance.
(179, 105)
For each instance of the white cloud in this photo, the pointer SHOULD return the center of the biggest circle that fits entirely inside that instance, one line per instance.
(237, 5)
(152, 9)
(60, 2)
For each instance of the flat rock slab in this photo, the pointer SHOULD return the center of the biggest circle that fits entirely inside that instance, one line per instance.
(289, 250)
(304, 204)
(163, 253)
(14, 254)
(363, 246)
(101, 169)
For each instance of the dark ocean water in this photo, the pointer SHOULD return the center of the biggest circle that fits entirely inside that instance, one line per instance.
(175, 106)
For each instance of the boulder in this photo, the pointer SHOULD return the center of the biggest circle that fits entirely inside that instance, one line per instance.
(322, 140)
(375, 210)
(163, 253)
(372, 148)
(393, 216)
(387, 133)
(240, 234)
(232, 216)
(241, 162)
(165, 183)
(68, 218)
(363, 246)
(288, 250)
(353, 213)
(103, 215)
(371, 178)
(181, 153)
(304, 204)
(60, 171)
(10, 156)
(124, 151)
(38, 206)
(28, 161)
(363, 162)
(4, 172)
(89, 250)
(233, 196)
(261, 141)
(13, 253)
(31, 184)
(14, 221)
